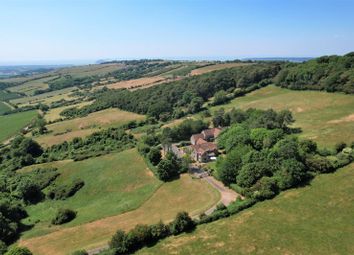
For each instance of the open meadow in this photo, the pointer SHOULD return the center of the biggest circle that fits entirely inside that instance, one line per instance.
(114, 184)
(12, 124)
(30, 87)
(4, 107)
(327, 118)
(315, 219)
(80, 127)
(214, 67)
(53, 114)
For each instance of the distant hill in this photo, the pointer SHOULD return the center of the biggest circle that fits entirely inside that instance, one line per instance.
(330, 73)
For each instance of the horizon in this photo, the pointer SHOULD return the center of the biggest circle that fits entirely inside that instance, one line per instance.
(84, 31)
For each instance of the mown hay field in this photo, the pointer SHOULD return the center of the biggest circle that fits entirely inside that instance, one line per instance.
(327, 118)
(80, 127)
(315, 219)
(214, 67)
(12, 124)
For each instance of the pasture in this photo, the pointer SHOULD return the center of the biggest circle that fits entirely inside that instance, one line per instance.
(214, 67)
(89, 70)
(4, 107)
(54, 113)
(12, 124)
(114, 183)
(45, 98)
(327, 118)
(80, 127)
(192, 195)
(316, 219)
(30, 87)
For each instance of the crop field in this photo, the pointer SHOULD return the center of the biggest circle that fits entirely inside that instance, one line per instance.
(79, 127)
(54, 113)
(114, 183)
(31, 86)
(4, 107)
(215, 67)
(316, 219)
(327, 118)
(192, 195)
(13, 123)
(137, 83)
(45, 98)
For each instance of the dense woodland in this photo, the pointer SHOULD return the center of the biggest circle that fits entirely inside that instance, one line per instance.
(330, 73)
(180, 97)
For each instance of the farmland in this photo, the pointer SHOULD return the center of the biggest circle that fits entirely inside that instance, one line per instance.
(11, 124)
(30, 87)
(4, 107)
(214, 67)
(278, 227)
(54, 113)
(167, 200)
(79, 127)
(327, 118)
(109, 183)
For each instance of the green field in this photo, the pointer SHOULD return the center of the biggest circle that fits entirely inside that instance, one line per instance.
(31, 86)
(114, 184)
(316, 219)
(5, 96)
(4, 107)
(327, 118)
(13, 123)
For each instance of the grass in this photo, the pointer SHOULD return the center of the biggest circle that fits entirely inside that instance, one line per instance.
(54, 113)
(192, 195)
(89, 70)
(327, 118)
(5, 96)
(316, 219)
(12, 124)
(114, 184)
(4, 107)
(136, 83)
(45, 98)
(215, 67)
(79, 127)
(31, 86)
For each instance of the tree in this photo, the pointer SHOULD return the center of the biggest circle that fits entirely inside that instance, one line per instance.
(159, 231)
(340, 146)
(119, 242)
(265, 188)
(154, 156)
(80, 252)
(291, 174)
(195, 105)
(18, 251)
(236, 135)
(182, 223)
(220, 97)
(250, 173)
(167, 169)
(3, 248)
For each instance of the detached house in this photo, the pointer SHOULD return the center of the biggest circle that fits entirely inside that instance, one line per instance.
(203, 149)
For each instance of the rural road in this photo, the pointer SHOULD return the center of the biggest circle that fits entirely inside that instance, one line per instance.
(227, 196)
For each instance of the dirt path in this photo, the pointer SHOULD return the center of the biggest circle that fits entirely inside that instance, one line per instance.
(227, 194)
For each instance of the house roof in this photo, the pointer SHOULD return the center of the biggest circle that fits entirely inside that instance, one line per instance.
(195, 137)
(214, 132)
(204, 147)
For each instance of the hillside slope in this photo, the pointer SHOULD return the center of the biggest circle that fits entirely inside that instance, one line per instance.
(316, 219)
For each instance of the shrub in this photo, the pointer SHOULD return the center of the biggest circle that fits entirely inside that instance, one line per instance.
(182, 223)
(19, 251)
(340, 146)
(3, 248)
(65, 191)
(154, 156)
(63, 216)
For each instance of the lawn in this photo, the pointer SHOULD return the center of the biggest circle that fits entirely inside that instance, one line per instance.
(186, 194)
(80, 127)
(12, 124)
(114, 184)
(327, 118)
(316, 219)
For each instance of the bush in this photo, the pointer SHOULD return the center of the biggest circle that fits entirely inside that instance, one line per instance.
(19, 251)
(154, 156)
(64, 191)
(3, 248)
(182, 223)
(63, 216)
(340, 146)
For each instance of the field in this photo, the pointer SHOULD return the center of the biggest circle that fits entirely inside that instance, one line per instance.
(316, 219)
(79, 127)
(54, 113)
(5, 96)
(45, 98)
(114, 184)
(136, 83)
(4, 107)
(215, 67)
(13, 123)
(192, 195)
(31, 86)
(327, 118)
(89, 70)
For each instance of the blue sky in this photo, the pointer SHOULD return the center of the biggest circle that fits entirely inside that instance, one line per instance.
(60, 31)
